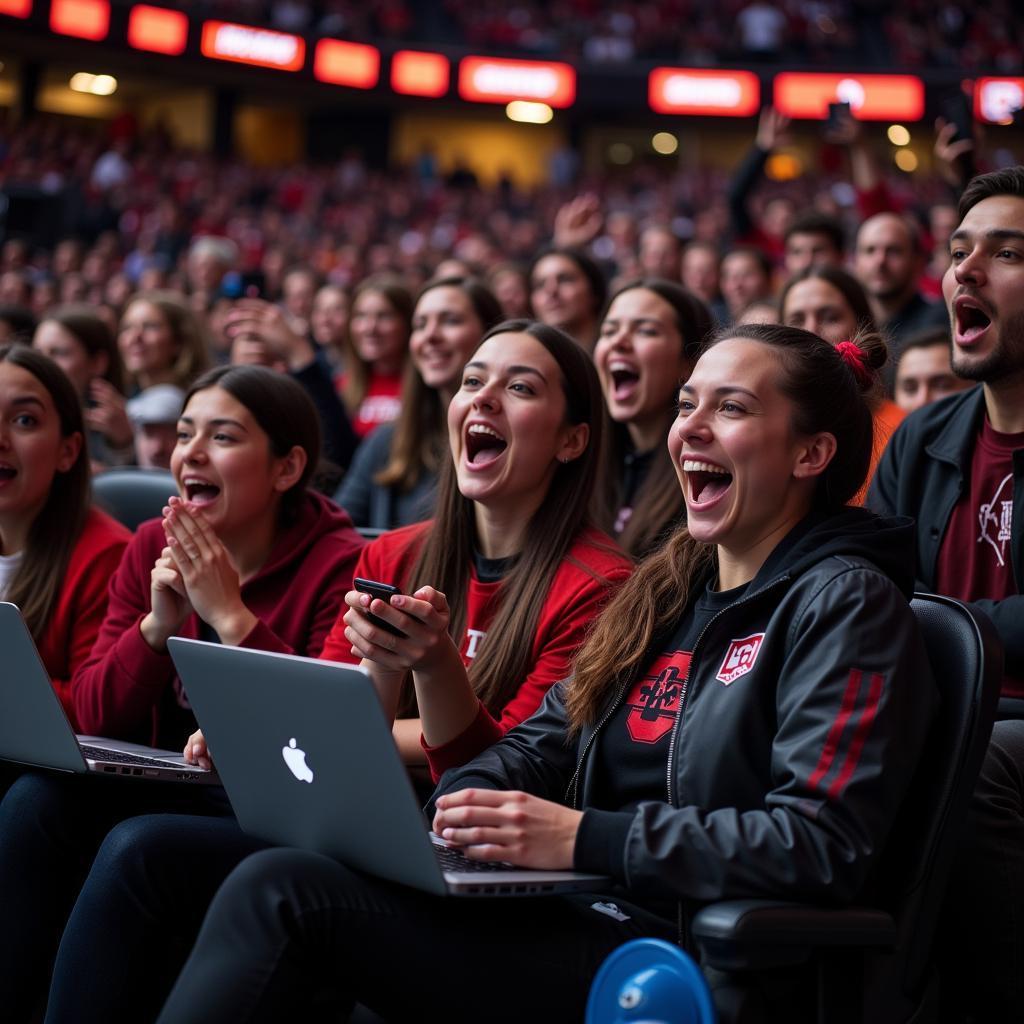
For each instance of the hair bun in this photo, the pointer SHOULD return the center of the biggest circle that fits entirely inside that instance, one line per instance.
(865, 353)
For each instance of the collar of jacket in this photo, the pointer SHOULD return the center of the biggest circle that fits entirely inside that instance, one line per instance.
(956, 440)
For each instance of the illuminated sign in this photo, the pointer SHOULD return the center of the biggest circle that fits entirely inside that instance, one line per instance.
(157, 30)
(16, 8)
(490, 80)
(351, 64)
(996, 100)
(871, 97)
(223, 40)
(84, 19)
(420, 74)
(703, 92)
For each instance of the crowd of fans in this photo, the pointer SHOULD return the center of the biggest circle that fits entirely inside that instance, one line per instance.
(546, 397)
(954, 34)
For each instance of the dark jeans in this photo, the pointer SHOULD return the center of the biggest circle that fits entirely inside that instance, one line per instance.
(292, 933)
(50, 829)
(983, 930)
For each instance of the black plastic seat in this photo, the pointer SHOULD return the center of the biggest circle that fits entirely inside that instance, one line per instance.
(132, 495)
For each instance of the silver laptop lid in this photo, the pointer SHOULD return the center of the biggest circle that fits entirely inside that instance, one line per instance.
(307, 758)
(33, 726)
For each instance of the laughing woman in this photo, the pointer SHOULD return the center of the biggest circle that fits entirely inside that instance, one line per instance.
(247, 555)
(502, 584)
(772, 439)
(56, 552)
(650, 337)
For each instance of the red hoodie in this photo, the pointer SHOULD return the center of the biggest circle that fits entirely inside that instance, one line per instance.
(70, 632)
(588, 576)
(296, 596)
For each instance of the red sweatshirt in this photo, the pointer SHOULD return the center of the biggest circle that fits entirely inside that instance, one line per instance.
(296, 596)
(587, 577)
(71, 629)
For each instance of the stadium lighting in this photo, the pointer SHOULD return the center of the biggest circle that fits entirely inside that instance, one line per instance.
(996, 100)
(528, 112)
(97, 85)
(898, 135)
(664, 143)
(906, 160)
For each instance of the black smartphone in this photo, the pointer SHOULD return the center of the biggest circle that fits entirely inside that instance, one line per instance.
(956, 109)
(384, 591)
(838, 115)
(249, 285)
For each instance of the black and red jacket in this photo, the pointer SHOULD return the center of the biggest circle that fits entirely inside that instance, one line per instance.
(806, 708)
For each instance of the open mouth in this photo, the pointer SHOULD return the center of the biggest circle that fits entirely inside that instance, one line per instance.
(7, 473)
(707, 481)
(200, 492)
(483, 444)
(971, 321)
(624, 381)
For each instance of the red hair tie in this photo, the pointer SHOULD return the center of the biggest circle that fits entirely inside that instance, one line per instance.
(853, 356)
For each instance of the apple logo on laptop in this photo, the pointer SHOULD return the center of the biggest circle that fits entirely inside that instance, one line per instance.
(295, 758)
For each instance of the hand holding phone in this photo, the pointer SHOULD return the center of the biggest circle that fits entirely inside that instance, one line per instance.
(383, 591)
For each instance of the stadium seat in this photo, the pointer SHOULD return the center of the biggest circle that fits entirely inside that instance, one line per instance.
(133, 495)
(875, 964)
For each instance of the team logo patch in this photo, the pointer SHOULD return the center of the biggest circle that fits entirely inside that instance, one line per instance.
(740, 658)
(654, 699)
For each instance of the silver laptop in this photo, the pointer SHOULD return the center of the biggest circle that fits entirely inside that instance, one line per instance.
(34, 729)
(307, 758)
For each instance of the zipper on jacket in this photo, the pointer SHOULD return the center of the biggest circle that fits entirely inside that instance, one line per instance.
(690, 674)
(573, 786)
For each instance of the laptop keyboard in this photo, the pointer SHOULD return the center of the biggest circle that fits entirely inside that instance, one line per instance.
(455, 860)
(120, 757)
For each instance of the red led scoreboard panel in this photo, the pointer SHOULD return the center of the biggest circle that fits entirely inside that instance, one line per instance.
(243, 44)
(703, 92)
(493, 80)
(83, 19)
(158, 30)
(871, 97)
(352, 64)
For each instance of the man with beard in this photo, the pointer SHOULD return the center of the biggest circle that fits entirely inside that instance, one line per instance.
(888, 261)
(957, 466)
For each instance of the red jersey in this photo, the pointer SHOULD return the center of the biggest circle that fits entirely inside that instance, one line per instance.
(380, 404)
(589, 574)
(974, 560)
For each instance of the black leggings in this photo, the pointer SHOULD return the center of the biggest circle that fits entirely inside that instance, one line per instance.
(291, 932)
(50, 829)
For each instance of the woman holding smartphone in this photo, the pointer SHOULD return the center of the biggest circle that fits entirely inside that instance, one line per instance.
(686, 764)
(500, 587)
(248, 555)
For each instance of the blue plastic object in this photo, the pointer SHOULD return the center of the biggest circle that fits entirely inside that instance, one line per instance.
(649, 981)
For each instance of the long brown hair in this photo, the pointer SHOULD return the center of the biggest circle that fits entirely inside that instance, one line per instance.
(658, 503)
(446, 557)
(187, 330)
(827, 395)
(54, 533)
(94, 335)
(419, 441)
(357, 371)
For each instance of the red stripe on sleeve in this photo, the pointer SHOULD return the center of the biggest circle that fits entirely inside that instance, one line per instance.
(828, 751)
(867, 718)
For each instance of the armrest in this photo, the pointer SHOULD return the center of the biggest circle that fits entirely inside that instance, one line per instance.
(756, 934)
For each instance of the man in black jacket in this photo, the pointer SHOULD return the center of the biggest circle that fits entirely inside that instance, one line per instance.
(957, 466)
